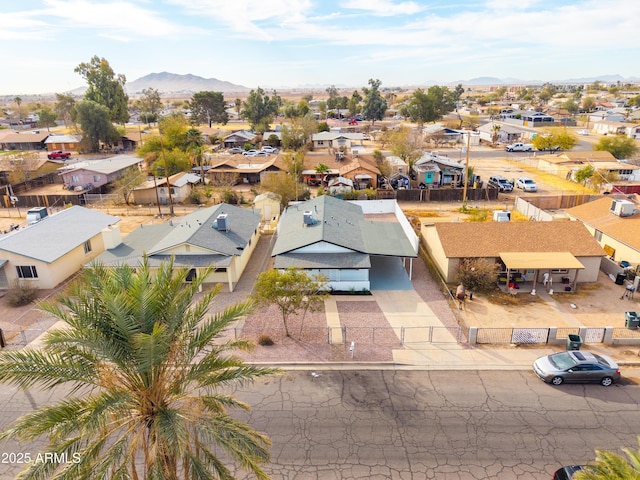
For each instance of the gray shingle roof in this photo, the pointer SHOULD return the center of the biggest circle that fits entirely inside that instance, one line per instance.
(159, 241)
(58, 234)
(338, 224)
(319, 260)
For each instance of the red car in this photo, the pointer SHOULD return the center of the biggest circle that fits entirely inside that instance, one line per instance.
(59, 154)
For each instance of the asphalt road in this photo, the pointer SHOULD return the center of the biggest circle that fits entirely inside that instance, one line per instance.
(419, 424)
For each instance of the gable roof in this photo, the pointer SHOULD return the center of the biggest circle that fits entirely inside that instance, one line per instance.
(339, 223)
(63, 139)
(58, 234)
(215, 246)
(335, 135)
(489, 239)
(28, 137)
(597, 214)
(105, 166)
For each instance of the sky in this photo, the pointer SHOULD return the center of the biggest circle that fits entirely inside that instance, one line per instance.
(316, 43)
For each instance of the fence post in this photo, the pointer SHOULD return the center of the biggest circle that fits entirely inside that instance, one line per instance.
(402, 336)
(473, 335)
(3, 342)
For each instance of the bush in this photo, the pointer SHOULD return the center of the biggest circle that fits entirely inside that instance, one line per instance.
(265, 340)
(21, 294)
(478, 274)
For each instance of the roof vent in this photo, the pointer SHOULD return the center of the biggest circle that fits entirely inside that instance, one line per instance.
(309, 219)
(221, 223)
(622, 208)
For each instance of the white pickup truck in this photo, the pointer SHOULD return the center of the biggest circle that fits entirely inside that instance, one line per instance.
(519, 147)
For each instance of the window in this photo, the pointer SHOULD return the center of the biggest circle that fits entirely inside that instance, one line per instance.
(75, 178)
(87, 246)
(96, 178)
(598, 235)
(26, 271)
(559, 270)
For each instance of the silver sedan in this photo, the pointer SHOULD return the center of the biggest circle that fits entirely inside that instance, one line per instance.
(577, 367)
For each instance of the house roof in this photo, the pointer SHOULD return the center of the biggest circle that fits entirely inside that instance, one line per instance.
(178, 180)
(214, 246)
(240, 134)
(342, 224)
(105, 166)
(27, 137)
(597, 215)
(63, 139)
(335, 135)
(489, 239)
(540, 260)
(56, 235)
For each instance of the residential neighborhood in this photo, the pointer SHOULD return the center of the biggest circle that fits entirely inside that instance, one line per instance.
(461, 231)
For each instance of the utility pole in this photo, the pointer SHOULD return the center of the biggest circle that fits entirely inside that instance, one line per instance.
(466, 173)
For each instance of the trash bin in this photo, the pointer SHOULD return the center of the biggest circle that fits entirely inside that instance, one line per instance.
(574, 342)
(631, 319)
(620, 278)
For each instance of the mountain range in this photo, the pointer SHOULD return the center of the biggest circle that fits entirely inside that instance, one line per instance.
(166, 82)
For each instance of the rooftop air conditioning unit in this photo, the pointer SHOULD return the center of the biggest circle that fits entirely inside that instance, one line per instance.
(309, 219)
(222, 222)
(622, 208)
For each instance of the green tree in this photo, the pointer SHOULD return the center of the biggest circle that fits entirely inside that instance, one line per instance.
(584, 174)
(406, 144)
(619, 146)
(612, 466)
(47, 118)
(105, 88)
(354, 103)
(282, 184)
(64, 107)
(374, 105)
(209, 107)
(495, 133)
(174, 160)
(150, 105)
(555, 137)
(146, 376)
(259, 109)
(292, 290)
(96, 125)
(588, 104)
(332, 101)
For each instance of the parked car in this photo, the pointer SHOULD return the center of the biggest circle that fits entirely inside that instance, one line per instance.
(250, 153)
(566, 473)
(519, 147)
(583, 132)
(576, 366)
(501, 183)
(235, 150)
(261, 153)
(269, 149)
(526, 184)
(58, 155)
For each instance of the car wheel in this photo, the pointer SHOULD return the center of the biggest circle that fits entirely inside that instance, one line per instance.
(606, 381)
(557, 380)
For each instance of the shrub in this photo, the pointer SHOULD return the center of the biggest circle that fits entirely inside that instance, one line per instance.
(20, 294)
(478, 274)
(265, 340)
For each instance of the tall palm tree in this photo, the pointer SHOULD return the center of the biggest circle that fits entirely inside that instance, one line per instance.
(612, 466)
(145, 372)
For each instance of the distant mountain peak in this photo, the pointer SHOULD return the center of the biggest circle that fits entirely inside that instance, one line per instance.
(166, 82)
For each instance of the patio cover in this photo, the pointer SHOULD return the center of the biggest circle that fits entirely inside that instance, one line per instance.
(539, 260)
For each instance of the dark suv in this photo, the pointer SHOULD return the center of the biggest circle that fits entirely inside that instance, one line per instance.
(501, 183)
(566, 473)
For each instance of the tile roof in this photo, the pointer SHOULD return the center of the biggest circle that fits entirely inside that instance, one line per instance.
(58, 234)
(596, 214)
(488, 239)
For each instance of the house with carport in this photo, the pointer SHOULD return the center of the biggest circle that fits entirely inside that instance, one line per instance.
(564, 250)
(156, 190)
(48, 252)
(356, 245)
(221, 238)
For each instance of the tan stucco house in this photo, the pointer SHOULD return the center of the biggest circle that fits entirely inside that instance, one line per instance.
(561, 248)
(222, 237)
(48, 252)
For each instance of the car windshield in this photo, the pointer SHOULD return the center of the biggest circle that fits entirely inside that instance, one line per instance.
(562, 361)
(528, 182)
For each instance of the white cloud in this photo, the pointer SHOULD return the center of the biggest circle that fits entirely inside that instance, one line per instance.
(383, 7)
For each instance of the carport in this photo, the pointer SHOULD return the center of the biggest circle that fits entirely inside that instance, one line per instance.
(542, 261)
